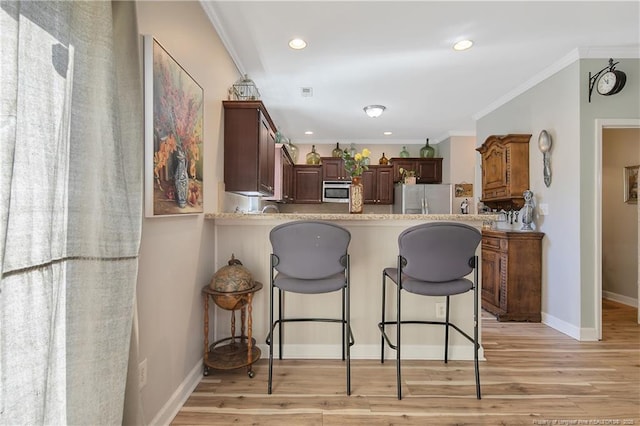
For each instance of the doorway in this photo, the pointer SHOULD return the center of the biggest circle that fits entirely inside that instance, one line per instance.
(601, 126)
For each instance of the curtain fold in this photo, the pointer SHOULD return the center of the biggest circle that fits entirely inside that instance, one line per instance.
(70, 209)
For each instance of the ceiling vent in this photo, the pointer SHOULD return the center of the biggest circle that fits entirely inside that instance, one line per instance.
(306, 92)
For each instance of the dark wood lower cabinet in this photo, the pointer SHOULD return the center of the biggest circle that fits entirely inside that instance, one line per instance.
(378, 185)
(512, 274)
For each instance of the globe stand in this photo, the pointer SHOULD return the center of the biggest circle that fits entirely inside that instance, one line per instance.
(231, 352)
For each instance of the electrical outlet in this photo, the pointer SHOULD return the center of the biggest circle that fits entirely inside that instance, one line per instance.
(440, 310)
(142, 374)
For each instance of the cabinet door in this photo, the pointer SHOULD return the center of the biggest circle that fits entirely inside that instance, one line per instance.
(307, 181)
(369, 186)
(333, 168)
(378, 185)
(385, 185)
(494, 172)
(287, 179)
(402, 163)
(266, 157)
(491, 276)
(429, 170)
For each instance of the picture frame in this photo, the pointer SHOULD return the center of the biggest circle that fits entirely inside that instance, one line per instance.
(631, 184)
(462, 190)
(173, 129)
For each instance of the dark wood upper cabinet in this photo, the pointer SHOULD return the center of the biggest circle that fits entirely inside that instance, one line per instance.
(307, 184)
(333, 169)
(428, 170)
(505, 170)
(283, 176)
(249, 148)
(287, 180)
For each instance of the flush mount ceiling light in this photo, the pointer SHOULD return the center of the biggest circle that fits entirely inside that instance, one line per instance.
(374, 111)
(297, 43)
(463, 45)
(387, 133)
(308, 132)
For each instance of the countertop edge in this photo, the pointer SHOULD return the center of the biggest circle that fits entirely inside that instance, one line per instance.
(352, 217)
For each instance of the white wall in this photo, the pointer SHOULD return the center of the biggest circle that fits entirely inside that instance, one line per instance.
(176, 253)
(460, 167)
(560, 105)
(624, 105)
(551, 105)
(621, 147)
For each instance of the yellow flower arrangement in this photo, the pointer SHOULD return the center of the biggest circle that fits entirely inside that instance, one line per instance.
(356, 164)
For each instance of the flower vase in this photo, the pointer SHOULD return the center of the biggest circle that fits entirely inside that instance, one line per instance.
(410, 180)
(356, 195)
(181, 179)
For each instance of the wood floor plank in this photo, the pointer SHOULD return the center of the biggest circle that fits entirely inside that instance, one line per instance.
(533, 375)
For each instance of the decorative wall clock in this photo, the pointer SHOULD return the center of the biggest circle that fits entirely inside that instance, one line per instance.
(608, 81)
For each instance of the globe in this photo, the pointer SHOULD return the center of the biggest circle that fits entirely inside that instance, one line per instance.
(231, 278)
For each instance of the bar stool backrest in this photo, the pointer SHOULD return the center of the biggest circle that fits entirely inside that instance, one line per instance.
(309, 249)
(438, 251)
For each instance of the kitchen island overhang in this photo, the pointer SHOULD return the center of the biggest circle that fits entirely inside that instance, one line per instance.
(374, 246)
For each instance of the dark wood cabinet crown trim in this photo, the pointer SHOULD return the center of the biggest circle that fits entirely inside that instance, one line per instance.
(249, 105)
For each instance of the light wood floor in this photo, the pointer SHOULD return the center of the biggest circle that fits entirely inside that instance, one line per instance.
(533, 375)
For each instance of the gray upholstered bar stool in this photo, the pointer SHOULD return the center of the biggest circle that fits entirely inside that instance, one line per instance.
(434, 260)
(309, 257)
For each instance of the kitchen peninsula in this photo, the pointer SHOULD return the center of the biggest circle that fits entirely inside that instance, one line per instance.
(373, 247)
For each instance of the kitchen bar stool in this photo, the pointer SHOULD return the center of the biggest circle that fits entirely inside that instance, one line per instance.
(309, 257)
(434, 259)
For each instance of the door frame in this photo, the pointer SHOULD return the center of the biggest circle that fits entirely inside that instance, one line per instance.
(600, 125)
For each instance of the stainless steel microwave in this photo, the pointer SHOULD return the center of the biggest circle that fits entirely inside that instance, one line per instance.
(335, 191)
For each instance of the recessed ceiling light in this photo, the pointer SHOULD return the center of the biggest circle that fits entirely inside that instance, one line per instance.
(308, 132)
(463, 45)
(297, 43)
(387, 133)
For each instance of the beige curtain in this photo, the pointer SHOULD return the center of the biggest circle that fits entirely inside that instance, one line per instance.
(70, 209)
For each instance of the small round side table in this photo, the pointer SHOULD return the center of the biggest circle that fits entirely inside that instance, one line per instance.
(231, 352)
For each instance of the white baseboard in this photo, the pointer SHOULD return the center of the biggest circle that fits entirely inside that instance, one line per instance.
(171, 408)
(560, 325)
(581, 334)
(625, 300)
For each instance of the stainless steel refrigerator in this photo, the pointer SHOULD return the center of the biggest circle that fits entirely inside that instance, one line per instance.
(422, 199)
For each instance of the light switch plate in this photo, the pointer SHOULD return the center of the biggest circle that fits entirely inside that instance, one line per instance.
(544, 209)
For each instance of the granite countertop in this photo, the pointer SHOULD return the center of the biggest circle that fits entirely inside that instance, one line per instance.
(352, 217)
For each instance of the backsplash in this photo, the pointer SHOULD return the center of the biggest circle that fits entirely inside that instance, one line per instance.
(331, 208)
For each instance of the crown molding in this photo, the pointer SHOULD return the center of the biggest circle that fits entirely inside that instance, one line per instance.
(618, 52)
(212, 14)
